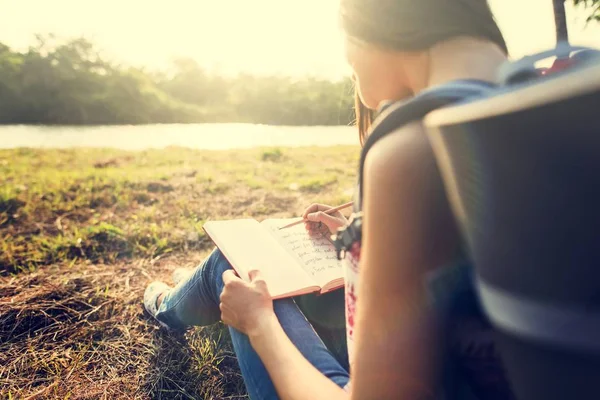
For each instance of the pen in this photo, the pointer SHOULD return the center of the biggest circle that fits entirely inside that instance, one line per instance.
(330, 211)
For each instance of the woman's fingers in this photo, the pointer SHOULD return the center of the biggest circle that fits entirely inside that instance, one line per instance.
(320, 216)
(333, 223)
(245, 306)
(229, 276)
(255, 275)
(315, 207)
(316, 219)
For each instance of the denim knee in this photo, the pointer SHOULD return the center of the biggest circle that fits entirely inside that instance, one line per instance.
(212, 270)
(195, 301)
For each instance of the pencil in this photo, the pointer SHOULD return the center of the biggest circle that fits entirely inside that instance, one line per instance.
(330, 211)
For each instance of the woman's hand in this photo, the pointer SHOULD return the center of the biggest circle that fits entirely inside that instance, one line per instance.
(246, 306)
(317, 221)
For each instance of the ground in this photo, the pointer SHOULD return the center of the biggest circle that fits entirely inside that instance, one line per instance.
(83, 231)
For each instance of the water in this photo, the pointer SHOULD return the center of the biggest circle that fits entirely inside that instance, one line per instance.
(197, 136)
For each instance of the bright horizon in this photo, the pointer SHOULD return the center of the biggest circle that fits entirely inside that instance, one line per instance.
(295, 38)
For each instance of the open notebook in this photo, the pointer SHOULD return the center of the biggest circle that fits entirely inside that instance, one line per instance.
(291, 261)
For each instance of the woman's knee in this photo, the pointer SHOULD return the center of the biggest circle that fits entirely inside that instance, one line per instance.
(216, 263)
(212, 270)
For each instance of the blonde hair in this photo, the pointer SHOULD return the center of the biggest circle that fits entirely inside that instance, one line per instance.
(364, 118)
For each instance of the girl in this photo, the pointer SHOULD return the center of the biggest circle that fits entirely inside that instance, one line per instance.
(396, 48)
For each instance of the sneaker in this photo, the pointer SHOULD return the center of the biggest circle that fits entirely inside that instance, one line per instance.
(151, 294)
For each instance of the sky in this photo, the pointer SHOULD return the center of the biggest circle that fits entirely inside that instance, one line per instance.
(288, 37)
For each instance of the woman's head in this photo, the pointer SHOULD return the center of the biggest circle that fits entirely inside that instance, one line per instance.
(383, 33)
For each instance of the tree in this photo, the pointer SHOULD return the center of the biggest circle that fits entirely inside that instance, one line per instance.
(68, 82)
(594, 6)
(560, 18)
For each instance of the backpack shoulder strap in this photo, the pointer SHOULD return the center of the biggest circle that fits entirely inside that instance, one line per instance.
(392, 117)
(399, 114)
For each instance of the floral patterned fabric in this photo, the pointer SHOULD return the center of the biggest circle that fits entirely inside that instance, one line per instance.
(351, 282)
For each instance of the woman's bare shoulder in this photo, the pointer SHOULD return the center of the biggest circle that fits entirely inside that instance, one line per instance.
(402, 186)
(404, 150)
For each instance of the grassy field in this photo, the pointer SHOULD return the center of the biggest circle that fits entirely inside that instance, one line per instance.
(83, 231)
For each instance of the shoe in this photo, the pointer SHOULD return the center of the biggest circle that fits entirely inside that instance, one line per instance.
(151, 294)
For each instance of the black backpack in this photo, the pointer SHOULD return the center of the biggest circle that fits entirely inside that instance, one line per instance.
(523, 167)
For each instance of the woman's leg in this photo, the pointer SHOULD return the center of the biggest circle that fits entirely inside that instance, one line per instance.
(326, 313)
(195, 301)
(301, 333)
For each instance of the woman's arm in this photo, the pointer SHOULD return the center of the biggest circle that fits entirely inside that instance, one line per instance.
(408, 230)
(293, 376)
(247, 306)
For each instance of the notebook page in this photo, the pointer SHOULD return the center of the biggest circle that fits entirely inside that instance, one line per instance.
(247, 245)
(315, 253)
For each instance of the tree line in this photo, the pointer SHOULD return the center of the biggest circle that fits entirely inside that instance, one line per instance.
(70, 83)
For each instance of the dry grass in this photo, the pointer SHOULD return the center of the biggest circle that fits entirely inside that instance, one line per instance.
(83, 232)
(82, 333)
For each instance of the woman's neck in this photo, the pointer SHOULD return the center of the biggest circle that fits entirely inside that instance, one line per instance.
(460, 58)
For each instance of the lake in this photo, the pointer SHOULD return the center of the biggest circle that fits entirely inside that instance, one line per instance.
(196, 136)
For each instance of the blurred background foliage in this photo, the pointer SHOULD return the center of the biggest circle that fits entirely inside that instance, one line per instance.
(69, 82)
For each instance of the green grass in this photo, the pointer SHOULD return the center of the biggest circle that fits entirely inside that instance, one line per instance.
(101, 205)
(83, 231)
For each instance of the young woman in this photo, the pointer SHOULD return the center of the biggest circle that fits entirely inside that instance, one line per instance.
(396, 48)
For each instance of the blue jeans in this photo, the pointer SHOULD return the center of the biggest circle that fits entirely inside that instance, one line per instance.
(195, 301)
